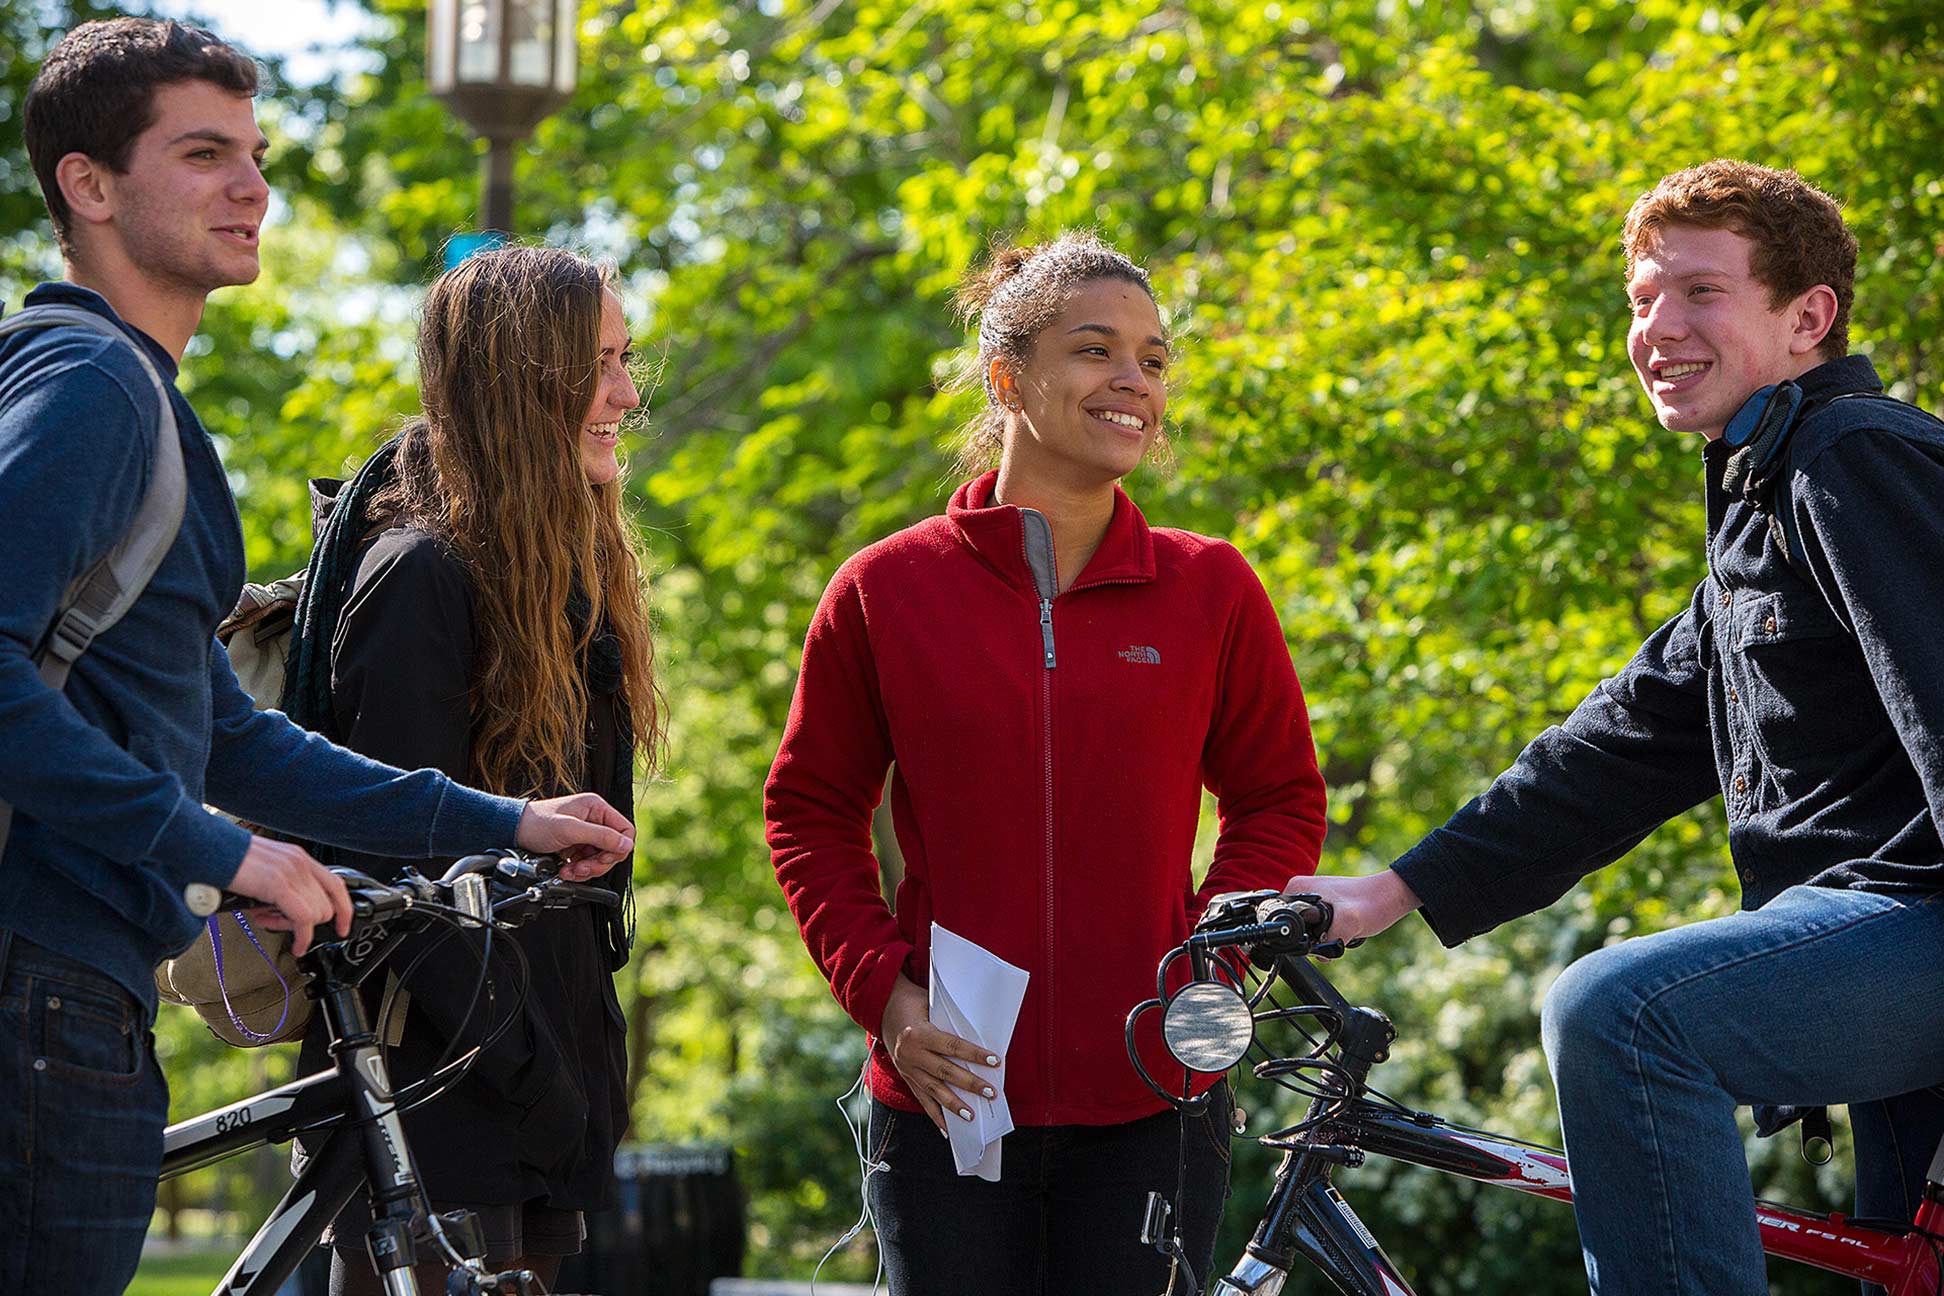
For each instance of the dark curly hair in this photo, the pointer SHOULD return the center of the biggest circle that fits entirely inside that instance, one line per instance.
(1010, 299)
(95, 94)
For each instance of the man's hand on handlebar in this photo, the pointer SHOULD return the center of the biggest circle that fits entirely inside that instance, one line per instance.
(1363, 906)
(924, 1054)
(591, 835)
(302, 894)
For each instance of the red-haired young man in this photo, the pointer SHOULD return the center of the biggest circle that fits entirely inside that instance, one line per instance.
(1804, 687)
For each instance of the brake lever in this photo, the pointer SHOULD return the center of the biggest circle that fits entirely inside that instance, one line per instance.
(525, 870)
(561, 894)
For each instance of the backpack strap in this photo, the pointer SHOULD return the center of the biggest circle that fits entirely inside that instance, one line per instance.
(327, 579)
(105, 591)
(1768, 491)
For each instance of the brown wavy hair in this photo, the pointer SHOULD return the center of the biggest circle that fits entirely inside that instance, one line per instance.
(509, 362)
(1797, 229)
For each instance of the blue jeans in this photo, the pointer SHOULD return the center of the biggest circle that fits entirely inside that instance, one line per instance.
(81, 1135)
(1821, 997)
(1065, 1215)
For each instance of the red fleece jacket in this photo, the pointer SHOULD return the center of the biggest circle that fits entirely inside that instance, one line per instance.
(1050, 755)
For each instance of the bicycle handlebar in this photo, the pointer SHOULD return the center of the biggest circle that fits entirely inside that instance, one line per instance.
(526, 885)
(1269, 923)
(1278, 933)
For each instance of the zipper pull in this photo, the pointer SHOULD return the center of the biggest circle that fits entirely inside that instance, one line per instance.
(1046, 630)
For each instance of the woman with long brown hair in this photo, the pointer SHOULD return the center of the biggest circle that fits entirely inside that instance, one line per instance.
(494, 625)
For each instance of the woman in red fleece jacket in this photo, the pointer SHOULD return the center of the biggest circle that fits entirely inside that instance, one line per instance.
(1054, 683)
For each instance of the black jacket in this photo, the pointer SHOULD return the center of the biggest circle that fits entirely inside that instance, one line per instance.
(1804, 688)
(541, 1114)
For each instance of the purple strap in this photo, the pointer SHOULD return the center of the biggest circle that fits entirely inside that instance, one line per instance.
(216, 946)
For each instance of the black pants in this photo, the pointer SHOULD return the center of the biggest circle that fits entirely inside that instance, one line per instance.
(1065, 1216)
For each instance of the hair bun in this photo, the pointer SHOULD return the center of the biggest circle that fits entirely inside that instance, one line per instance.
(981, 283)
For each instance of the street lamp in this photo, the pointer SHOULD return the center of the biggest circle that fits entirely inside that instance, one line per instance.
(502, 66)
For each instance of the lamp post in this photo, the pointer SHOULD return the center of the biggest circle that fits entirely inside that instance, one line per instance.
(502, 66)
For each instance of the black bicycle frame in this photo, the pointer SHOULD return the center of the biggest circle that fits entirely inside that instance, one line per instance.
(1306, 1218)
(368, 1144)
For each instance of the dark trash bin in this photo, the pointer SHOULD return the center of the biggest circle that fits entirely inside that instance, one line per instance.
(678, 1225)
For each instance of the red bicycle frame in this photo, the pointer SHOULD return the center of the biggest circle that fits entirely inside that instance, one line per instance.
(1322, 1227)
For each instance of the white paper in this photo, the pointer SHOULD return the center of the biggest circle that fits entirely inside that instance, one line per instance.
(975, 995)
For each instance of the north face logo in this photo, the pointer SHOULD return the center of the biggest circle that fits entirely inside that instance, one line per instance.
(1140, 655)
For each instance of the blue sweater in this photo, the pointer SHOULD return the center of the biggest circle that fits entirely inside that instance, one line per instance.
(108, 779)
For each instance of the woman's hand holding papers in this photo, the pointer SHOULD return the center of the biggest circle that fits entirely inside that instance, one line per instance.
(924, 1055)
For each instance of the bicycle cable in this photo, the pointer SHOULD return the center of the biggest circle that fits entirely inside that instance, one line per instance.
(448, 1073)
(412, 1096)
(484, 982)
(495, 1030)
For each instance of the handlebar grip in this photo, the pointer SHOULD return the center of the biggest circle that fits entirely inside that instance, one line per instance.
(205, 900)
(202, 899)
(587, 891)
(1314, 913)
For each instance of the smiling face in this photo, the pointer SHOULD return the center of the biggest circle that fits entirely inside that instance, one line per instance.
(188, 209)
(1088, 401)
(1705, 334)
(614, 396)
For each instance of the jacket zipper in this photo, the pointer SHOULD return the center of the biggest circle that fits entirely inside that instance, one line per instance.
(1047, 589)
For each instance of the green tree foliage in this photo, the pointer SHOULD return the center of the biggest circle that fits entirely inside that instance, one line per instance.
(1387, 236)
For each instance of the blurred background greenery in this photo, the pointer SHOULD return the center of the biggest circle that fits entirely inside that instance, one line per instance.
(1387, 233)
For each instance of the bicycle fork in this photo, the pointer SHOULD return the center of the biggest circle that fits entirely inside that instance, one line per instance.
(1308, 1218)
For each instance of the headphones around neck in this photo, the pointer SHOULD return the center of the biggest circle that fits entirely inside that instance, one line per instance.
(1758, 434)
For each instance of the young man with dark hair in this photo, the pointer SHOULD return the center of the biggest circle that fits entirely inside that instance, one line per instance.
(1803, 685)
(144, 137)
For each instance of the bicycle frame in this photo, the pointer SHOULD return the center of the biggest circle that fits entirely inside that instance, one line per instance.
(1308, 1218)
(372, 1148)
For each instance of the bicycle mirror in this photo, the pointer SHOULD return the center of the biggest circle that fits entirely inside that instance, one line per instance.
(1207, 1026)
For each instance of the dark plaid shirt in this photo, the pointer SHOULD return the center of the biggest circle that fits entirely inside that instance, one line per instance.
(1804, 688)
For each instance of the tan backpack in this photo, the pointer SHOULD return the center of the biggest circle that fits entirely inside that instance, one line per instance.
(241, 979)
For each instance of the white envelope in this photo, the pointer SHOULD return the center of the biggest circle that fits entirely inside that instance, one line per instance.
(975, 995)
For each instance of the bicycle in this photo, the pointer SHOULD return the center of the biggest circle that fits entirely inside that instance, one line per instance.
(1248, 942)
(366, 1145)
